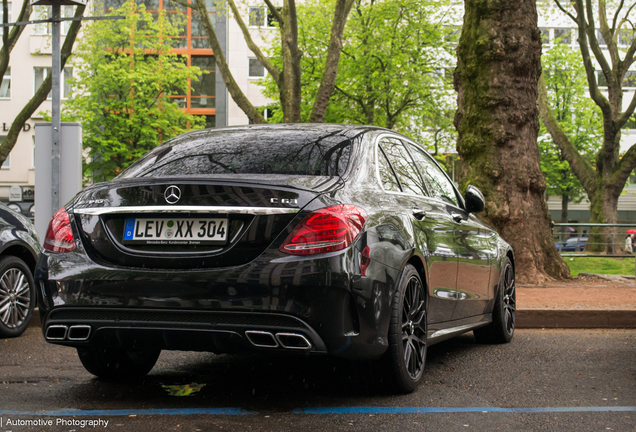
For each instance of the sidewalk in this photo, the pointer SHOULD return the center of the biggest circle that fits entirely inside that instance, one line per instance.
(584, 302)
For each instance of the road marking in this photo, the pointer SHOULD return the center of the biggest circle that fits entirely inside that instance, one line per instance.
(410, 410)
(315, 410)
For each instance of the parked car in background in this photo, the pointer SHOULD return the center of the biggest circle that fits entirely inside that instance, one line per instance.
(573, 244)
(19, 250)
(315, 239)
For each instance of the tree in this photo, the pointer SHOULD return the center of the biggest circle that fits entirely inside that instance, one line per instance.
(498, 68)
(391, 68)
(603, 181)
(566, 84)
(10, 38)
(121, 91)
(288, 76)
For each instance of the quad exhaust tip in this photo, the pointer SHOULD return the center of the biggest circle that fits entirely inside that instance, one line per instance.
(73, 333)
(264, 339)
(261, 339)
(293, 341)
(56, 332)
(79, 332)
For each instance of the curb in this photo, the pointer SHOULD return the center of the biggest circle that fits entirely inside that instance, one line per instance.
(573, 319)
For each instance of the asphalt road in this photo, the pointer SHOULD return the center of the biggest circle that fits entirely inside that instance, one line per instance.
(545, 380)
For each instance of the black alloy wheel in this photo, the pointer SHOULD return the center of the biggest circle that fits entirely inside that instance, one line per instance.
(17, 296)
(502, 327)
(407, 332)
(118, 364)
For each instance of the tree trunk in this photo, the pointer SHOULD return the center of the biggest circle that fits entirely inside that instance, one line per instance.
(496, 80)
(565, 199)
(327, 84)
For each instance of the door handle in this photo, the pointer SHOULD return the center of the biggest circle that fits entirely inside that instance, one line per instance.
(419, 214)
(457, 217)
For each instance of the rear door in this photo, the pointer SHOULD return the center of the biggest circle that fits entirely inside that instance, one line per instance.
(471, 240)
(433, 226)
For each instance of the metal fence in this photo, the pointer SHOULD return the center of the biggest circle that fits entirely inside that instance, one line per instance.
(568, 239)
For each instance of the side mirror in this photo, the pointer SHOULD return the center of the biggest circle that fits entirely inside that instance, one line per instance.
(475, 201)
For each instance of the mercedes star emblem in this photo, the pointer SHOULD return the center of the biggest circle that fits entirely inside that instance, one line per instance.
(172, 194)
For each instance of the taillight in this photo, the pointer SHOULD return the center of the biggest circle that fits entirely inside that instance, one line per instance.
(59, 236)
(326, 230)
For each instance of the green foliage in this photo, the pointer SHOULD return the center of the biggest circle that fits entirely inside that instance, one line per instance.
(122, 80)
(393, 72)
(577, 114)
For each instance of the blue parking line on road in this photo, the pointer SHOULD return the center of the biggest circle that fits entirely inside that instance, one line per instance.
(416, 410)
(315, 410)
(129, 412)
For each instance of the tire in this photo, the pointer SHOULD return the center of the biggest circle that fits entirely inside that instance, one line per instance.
(406, 356)
(17, 296)
(502, 327)
(118, 364)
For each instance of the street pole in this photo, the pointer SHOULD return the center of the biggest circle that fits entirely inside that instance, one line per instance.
(55, 108)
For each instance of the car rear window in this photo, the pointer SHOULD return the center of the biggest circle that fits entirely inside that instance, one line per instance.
(270, 151)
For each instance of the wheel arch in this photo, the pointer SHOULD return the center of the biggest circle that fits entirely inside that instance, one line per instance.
(417, 261)
(22, 252)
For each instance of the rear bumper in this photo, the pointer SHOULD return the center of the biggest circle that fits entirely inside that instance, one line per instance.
(307, 305)
(180, 330)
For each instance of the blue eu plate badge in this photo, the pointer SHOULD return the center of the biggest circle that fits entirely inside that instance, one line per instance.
(128, 231)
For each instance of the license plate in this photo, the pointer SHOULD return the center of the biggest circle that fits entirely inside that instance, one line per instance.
(164, 231)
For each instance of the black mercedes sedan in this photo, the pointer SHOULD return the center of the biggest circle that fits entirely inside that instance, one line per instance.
(315, 239)
(19, 250)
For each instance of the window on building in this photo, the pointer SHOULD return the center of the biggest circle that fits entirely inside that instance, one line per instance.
(563, 35)
(259, 16)
(5, 87)
(256, 69)
(629, 80)
(7, 162)
(204, 89)
(199, 37)
(545, 35)
(256, 16)
(45, 12)
(631, 123)
(40, 74)
(602, 81)
(177, 15)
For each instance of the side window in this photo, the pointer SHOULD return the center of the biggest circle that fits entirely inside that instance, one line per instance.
(387, 176)
(403, 165)
(436, 181)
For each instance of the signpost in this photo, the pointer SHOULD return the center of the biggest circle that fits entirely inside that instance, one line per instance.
(55, 103)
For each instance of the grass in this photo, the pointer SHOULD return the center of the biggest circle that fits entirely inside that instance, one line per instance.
(620, 266)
